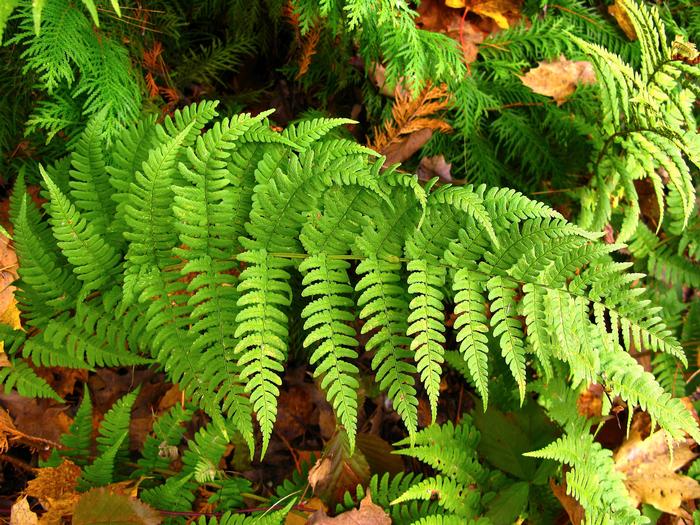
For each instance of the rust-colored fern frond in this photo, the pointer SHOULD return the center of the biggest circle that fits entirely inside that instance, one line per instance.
(412, 115)
(308, 50)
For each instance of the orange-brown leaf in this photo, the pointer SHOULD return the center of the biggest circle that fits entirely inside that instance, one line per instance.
(623, 19)
(369, 513)
(559, 79)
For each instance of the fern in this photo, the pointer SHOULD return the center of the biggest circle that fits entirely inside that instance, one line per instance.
(593, 480)
(305, 201)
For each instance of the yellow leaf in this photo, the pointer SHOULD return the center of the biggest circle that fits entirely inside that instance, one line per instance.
(623, 19)
(21, 514)
(455, 3)
(495, 10)
(650, 475)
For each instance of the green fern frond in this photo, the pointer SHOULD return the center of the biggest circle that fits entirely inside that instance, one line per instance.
(593, 480)
(78, 440)
(94, 261)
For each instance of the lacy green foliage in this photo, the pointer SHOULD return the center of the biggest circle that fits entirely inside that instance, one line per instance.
(106, 459)
(83, 71)
(465, 488)
(593, 479)
(38, 9)
(648, 128)
(194, 272)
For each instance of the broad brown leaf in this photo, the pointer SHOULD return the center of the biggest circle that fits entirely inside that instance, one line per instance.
(9, 433)
(338, 471)
(559, 79)
(55, 489)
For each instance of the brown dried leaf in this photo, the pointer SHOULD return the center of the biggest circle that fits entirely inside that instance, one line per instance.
(572, 507)
(559, 79)
(21, 514)
(338, 470)
(436, 166)
(52, 483)
(590, 402)
(623, 19)
(367, 514)
(9, 433)
(54, 487)
(40, 420)
(104, 506)
(651, 475)
(301, 518)
(8, 274)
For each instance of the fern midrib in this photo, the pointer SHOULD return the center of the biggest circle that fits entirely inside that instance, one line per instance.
(282, 215)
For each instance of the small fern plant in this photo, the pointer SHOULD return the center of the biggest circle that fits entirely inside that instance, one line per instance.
(648, 132)
(179, 247)
(169, 478)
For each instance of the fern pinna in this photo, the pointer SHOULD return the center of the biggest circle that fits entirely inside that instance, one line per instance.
(193, 271)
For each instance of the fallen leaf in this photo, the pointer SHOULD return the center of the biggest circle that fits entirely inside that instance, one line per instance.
(53, 483)
(21, 514)
(623, 19)
(650, 474)
(497, 10)
(436, 166)
(379, 454)
(439, 17)
(338, 471)
(8, 274)
(590, 402)
(55, 488)
(295, 411)
(43, 420)
(367, 514)
(9, 433)
(559, 79)
(572, 507)
(297, 517)
(404, 148)
(104, 506)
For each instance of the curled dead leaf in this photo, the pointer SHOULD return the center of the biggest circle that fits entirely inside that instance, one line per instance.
(558, 79)
(368, 514)
(436, 166)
